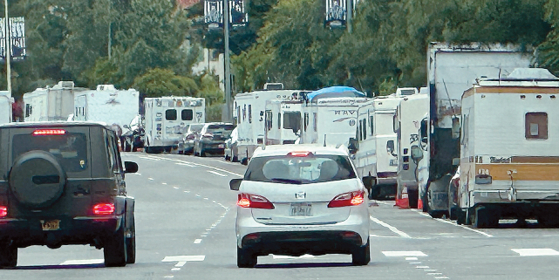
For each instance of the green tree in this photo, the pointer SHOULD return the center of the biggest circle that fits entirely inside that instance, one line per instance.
(164, 82)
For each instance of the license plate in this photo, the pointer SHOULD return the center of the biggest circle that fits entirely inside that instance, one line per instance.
(221, 146)
(301, 209)
(50, 225)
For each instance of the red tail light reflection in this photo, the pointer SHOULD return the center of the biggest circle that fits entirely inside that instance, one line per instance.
(103, 209)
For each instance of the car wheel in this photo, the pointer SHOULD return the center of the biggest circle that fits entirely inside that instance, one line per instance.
(131, 244)
(362, 255)
(37, 179)
(115, 248)
(235, 159)
(246, 258)
(8, 255)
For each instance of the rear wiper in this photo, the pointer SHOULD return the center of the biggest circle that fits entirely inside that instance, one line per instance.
(290, 181)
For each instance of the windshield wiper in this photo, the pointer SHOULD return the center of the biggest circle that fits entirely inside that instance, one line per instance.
(290, 181)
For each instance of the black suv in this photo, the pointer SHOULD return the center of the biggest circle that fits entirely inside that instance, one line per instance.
(211, 138)
(63, 183)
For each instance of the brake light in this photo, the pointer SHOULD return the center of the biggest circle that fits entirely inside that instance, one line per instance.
(299, 153)
(347, 199)
(246, 200)
(49, 132)
(3, 211)
(103, 209)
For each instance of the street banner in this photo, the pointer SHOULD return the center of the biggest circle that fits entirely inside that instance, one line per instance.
(17, 36)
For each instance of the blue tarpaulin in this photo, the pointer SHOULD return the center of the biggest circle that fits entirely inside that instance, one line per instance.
(335, 91)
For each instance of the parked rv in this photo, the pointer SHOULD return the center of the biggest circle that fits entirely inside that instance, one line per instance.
(451, 70)
(410, 113)
(282, 121)
(249, 108)
(51, 103)
(166, 119)
(330, 115)
(376, 157)
(509, 161)
(6, 102)
(108, 105)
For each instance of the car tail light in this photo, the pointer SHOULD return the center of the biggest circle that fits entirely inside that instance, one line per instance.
(300, 153)
(103, 209)
(347, 199)
(246, 200)
(49, 132)
(3, 211)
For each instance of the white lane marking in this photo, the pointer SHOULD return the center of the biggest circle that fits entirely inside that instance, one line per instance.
(176, 188)
(186, 191)
(197, 241)
(198, 164)
(151, 179)
(291, 257)
(421, 267)
(442, 277)
(75, 262)
(184, 164)
(455, 224)
(168, 276)
(404, 254)
(393, 229)
(150, 158)
(163, 183)
(175, 268)
(219, 174)
(536, 252)
(137, 174)
(182, 260)
(434, 273)
(411, 259)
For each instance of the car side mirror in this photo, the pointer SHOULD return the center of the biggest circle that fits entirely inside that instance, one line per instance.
(416, 153)
(353, 146)
(235, 184)
(130, 167)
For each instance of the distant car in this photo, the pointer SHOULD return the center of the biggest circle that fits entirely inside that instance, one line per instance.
(301, 199)
(63, 184)
(231, 152)
(211, 138)
(186, 145)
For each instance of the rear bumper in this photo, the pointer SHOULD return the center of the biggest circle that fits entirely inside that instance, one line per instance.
(78, 230)
(344, 236)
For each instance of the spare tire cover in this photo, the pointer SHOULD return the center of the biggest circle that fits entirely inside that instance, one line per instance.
(36, 179)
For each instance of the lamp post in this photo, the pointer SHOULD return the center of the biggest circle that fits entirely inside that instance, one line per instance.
(8, 48)
(227, 70)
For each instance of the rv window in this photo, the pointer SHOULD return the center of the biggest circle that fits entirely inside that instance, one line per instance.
(28, 110)
(187, 115)
(371, 123)
(268, 120)
(244, 112)
(171, 114)
(279, 120)
(315, 122)
(306, 121)
(239, 114)
(536, 126)
(249, 113)
(360, 131)
(291, 120)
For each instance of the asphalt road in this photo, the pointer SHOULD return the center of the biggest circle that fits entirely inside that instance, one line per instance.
(185, 215)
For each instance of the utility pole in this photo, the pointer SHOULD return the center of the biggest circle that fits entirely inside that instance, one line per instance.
(8, 48)
(349, 15)
(109, 33)
(227, 70)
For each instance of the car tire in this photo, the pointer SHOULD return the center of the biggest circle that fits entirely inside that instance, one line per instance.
(8, 255)
(115, 250)
(362, 255)
(131, 244)
(45, 184)
(235, 159)
(246, 258)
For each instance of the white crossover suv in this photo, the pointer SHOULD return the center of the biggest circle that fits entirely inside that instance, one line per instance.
(301, 199)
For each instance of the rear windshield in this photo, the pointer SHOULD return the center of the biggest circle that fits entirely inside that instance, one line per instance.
(70, 149)
(299, 170)
(196, 128)
(221, 129)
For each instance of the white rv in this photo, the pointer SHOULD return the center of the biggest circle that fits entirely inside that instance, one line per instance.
(282, 121)
(410, 113)
(376, 157)
(509, 161)
(330, 116)
(249, 110)
(51, 104)
(5, 107)
(107, 104)
(166, 119)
